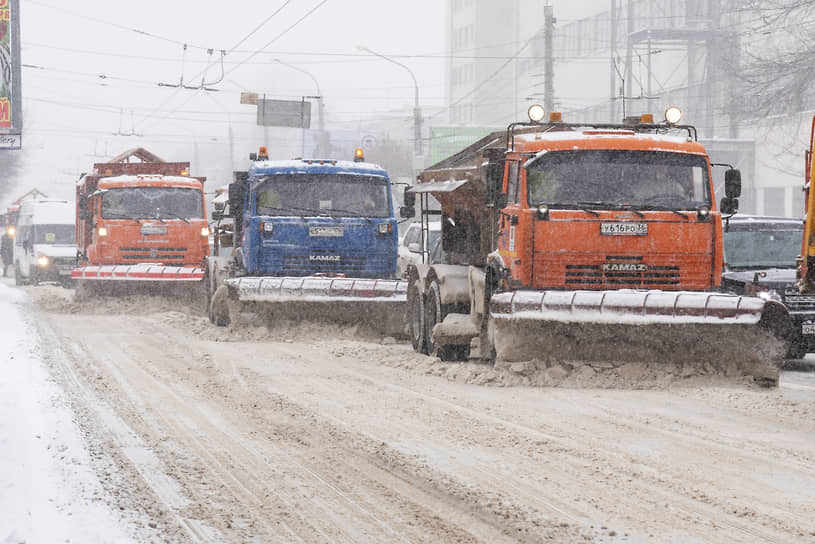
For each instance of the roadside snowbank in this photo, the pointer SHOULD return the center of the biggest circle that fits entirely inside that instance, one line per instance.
(48, 489)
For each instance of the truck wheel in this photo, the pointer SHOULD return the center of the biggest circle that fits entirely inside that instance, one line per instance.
(486, 340)
(415, 313)
(435, 312)
(219, 307)
(797, 350)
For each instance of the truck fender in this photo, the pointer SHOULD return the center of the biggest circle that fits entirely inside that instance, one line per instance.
(453, 281)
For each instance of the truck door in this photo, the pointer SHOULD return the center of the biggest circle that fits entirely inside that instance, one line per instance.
(509, 224)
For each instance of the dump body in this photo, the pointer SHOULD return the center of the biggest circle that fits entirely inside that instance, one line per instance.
(314, 237)
(131, 214)
(617, 224)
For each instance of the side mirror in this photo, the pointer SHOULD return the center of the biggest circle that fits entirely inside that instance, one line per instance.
(84, 214)
(414, 247)
(732, 183)
(729, 205)
(409, 198)
(235, 196)
(494, 177)
(406, 212)
(82, 203)
(217, 215)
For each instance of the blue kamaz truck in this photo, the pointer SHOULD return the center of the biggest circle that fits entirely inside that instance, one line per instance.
(312, 239)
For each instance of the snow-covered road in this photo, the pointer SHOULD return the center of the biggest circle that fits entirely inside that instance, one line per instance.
(179, 431)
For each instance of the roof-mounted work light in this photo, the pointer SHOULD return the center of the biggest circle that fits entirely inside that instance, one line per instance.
(673, 115)
(359, 156)
(536, 113)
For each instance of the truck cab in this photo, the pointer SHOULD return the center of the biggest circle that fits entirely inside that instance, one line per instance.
(306, 217)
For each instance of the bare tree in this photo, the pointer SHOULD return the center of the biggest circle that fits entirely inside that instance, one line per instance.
(776, 70)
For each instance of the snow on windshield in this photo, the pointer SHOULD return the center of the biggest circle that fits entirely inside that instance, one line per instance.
(152, 202)
(762, 249)
(329, 194)
(621, 177)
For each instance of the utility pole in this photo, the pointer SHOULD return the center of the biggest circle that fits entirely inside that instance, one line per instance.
(549, 62)
(612, 91)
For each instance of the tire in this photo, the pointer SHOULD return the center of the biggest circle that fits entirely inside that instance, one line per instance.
(435, 312)
(486, 341)
(219, 307)
(415, 316)
(797, 350)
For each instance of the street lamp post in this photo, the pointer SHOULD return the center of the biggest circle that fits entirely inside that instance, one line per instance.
(417, 112)
(322, 143)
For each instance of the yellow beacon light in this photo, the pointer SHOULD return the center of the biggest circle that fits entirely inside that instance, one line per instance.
(359, 156)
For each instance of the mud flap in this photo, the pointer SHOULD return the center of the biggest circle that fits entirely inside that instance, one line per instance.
(698, 333)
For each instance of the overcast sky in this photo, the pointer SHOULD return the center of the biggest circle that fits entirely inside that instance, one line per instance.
(92, 68)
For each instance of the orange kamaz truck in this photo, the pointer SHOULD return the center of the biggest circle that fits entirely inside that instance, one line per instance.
(140, 224)
(567, 243)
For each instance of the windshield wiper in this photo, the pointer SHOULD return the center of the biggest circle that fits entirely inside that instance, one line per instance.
(303, 211)
(122, 215)
(613, 206)
(352, 214)
(173, 215)
(664, 209)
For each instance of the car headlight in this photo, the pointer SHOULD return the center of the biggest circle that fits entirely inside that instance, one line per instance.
(770, 294)
(42, 260)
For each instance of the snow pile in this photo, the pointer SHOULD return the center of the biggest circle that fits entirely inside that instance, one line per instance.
(49, 490)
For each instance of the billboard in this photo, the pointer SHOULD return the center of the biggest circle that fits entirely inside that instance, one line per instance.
(11, 121)
(283, 113)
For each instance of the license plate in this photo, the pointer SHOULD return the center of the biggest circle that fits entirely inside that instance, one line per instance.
(624, 229)
(808, 328)
(148, 229)
(325, 232)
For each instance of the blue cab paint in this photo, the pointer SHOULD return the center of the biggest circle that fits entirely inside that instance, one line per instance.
(327, 232)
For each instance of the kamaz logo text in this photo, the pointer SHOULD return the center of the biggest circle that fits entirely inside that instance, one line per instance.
(624, 267)
(324, 258)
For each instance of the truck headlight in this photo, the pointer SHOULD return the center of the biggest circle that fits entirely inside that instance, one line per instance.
(102, 231)
(42, 260)
(205, 231)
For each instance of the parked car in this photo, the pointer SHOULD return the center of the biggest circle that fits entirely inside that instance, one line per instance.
(410, 246)
(44, 248)
(760, 254)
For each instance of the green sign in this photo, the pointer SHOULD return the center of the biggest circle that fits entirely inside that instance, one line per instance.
(446, 141)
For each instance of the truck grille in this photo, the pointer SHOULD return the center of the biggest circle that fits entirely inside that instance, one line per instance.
(144, 253)
(622, 275)
(324, 261)
(795, 301)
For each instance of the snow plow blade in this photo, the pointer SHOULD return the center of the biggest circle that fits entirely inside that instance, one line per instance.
(378, 305)
(701, 332)
(142, 278)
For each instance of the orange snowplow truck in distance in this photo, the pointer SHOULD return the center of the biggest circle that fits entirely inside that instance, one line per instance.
(571, 243)
(140, 222)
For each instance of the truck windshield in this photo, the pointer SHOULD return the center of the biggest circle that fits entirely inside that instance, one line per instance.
(640, 179)
(54, 234)
(152, 203)
(337, 195)
(774, 248)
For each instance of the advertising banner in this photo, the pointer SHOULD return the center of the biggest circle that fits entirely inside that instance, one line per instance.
(10, 99)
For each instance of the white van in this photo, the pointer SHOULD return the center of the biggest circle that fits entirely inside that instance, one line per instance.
(44, 247)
